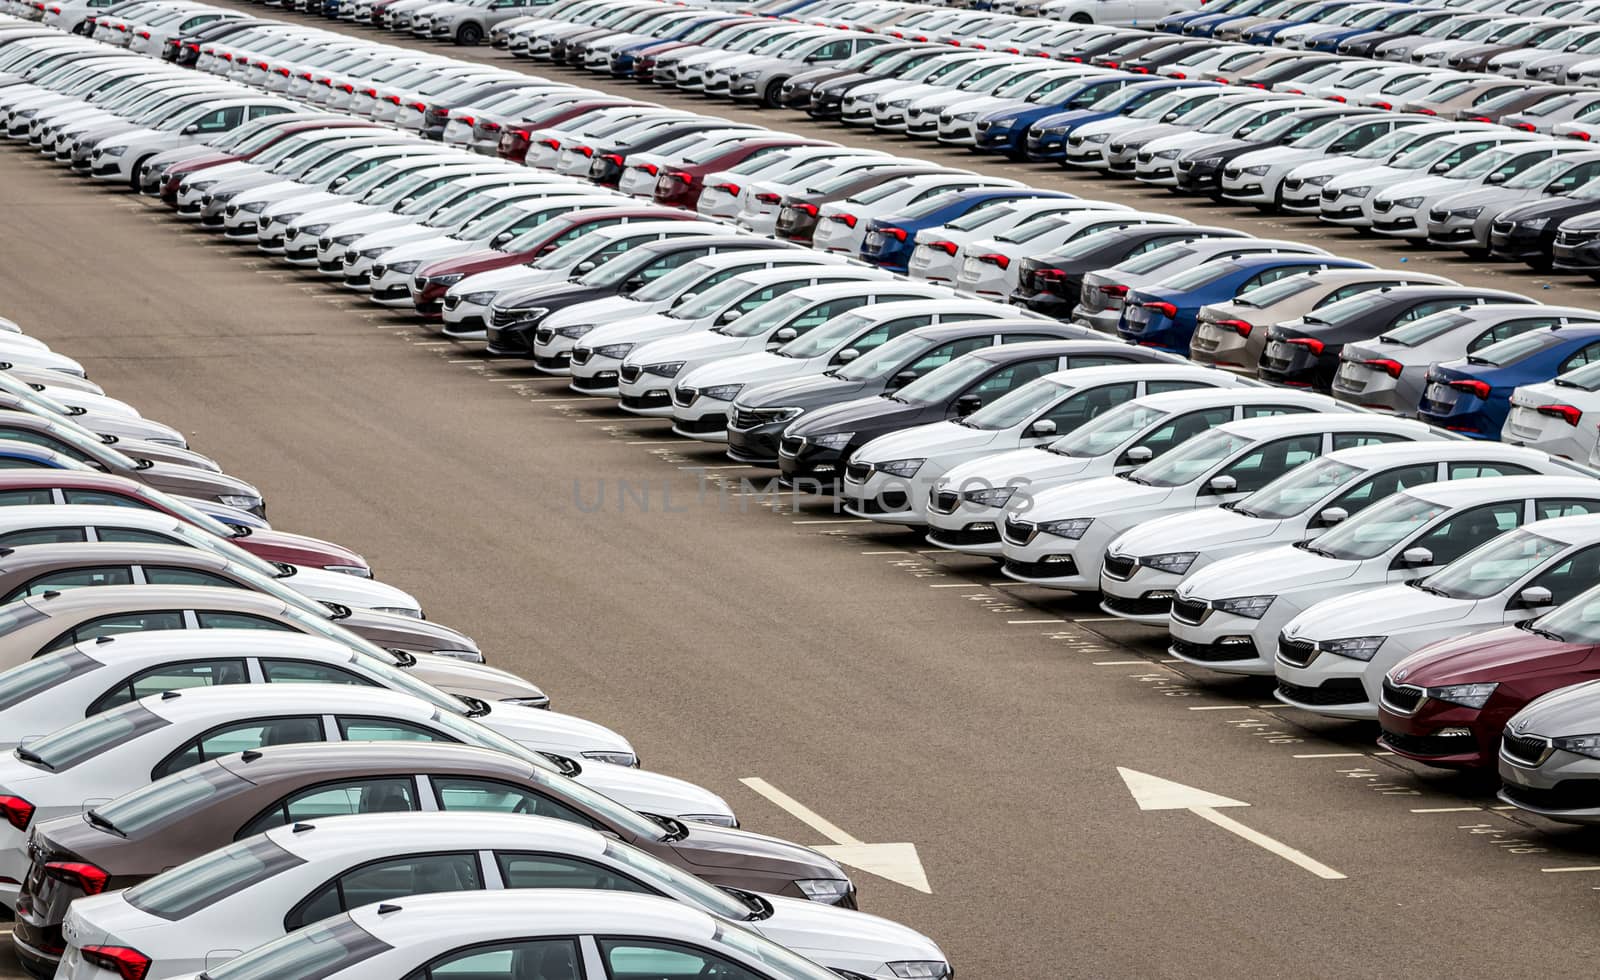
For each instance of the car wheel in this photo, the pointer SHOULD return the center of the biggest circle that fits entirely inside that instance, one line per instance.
(133, 178)
(469, 34)
(772, 93)
(1080, 18)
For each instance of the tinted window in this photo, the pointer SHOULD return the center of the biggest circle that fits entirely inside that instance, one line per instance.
(310, 954)
(187, 576)
(118, 624)
(240, 736)
(1267, 462)
(23, 682)
(945, 353)
(1383, 484)
(1587, 355)
(1350, 440)
(1509, 329)
(172, 677)
(1014, 376)
(1182, 427)
(418, 874)
(1476, 470)
(43, 535)
(75, 578)
(533, 959)
(1082, 406)
(99, 498)
(88, 738)
(1468, 529)
(1571, 576)
(218, 620)
(309, 672)
(1095, 360)
(14, 498)
(1563, 507)
(461, 793)
(132, 535)
(380, 794)
(188, 888)
(561, 871)
(386, 730)
(647, 959)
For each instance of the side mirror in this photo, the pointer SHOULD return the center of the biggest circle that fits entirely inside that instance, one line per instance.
(501, 239)
(728, 316)
(1222, 484)
(1439, 167)
(1535, 595)
(902, 379)
(582, 267)
(1331, 516)
(846, 356)
(1139, 455)
(339, 182)
(632, 283)
(1496, 178)
(685, 298)
(406, 200)
(967, 404)
(1042, 427)
(191, 129)
(1416, 557)
(785, 334)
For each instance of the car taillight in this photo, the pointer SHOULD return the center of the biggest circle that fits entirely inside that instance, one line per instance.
(307, 76)
(1384, 364)
(1177, 74)
(1579, 134)
(17, 810)
(948, 248)
(129, 964)
(615, 158)
(227, 57)
(769, 198)
(89, 879)
(1479, 388)
(848, 219)
(262, 65)
(1311, 344)
(1114, 289)
(650, 168)
(810, 209)
(1476, 119)
(553, 144)
(687, 178)
(1526, 127)
(419, 106)
(1565, 413)
(392, 98)
(1380, 105)
(898, 234)
(732, 189)
(145, 35)
(192, 47)
(1111, 64)
(285, 72)
(348, 87)
(469, 120)
(372, 92)
(1240, 327)
(1165, 309)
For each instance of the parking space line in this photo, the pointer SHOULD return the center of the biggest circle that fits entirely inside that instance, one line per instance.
(1579, 867)
(1330, 755)
(729, 466)
(895, 551)
(1031, 622)
(1216, 707)
(1447, 809)
(848, 520)
(1098, 619)
(653, 442)
(958, 585)
(1118, 663)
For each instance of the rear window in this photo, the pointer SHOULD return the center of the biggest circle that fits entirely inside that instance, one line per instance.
(152, 804)
(1422, 330)
(310, 954)
(78, 743)
(17, 615)
(20, 683)
(1517, 348)
(188, 888)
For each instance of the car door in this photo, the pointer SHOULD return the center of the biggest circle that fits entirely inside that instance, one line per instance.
(1453, 537)
(240, 736)
(116, 624)
(818, 314)
(1077, 408)
(999, 382)
(1260, 465)
(1372, 489)
(389, 878)
(72, 578)
(877, 335)
(366, 794)
(475, 794)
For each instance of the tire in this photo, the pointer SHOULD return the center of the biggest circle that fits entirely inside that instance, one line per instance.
(469, 34)
(771, 95)
(133, 179)
(1080, 18)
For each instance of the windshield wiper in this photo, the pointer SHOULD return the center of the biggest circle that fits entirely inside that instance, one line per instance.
(1552, 635)
(1308, 546)
(476, 707)
(94, 817)
(33, 758)
(1135, 479)
(1421, 586)
(760, 908)
(676, 829)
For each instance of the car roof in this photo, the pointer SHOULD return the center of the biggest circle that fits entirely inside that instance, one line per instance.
(1034, 348)
(230, 700)
(1137, 371)
(722, 260)
(1456, 493)
(214, 642)
(910, 307)
(931, 292)
(90, 551)
(461, 918)
(1575, 529)
(1191, 398)
(70, 515)
(762, 277)
(1287, 425)
(334, 759)
(1394, 453)
(113, 597)
(354, 838)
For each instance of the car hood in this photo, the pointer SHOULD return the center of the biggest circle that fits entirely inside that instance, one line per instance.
(348, 590)
(1547, 207)
(511, 277)
(190, 482)
(724, 847)
(1500, 654)
(1421, 187)
(1019, 468)
(753, 368)
(1490, 197)
(651, 792)
(312, 550)
(1385, 610)
(935, 438)
(1568, 711)
(1275, 155)
(827, 932)
(811, 391)
(1198, 531)
(1104, 495)
(1370, 176)
(478, 680)
(366, 224)
(649, 328)
(425, 250)
(392, 630)
(871, 411)
(1270, 570)
(551, 731)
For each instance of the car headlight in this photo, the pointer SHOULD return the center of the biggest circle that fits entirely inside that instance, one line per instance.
(1466, 695)
(1259, 170)
(1319, 179)
(449, 279)
(1534, 224)
(722, 393)
(1409, 202)
(113, 151)
(1207, 161)
(1054, 131)
(1250, 606)
(714, 819)
(470, 656)
(541, 701)
(1467, 212)
(1173, 563)
(242, 501)
(900, 103)
(902, 467)
(1071, 529)
(253, 207)
(359, 571)
(615, 758)
(832, 440)
(373, 253)
(666, 369)
(1004, 121)
(1097, 137)
(993, 497)
(310, 229)
(405, 611)
(1354, 647)
(965, 116)
(752, 73)
(771, 415)
(829, 891)
(406, 268)
(1358, 191)
(919, 969)
(1588, 745)
(575, 331)
(479, 299)
(614, 351)
(1167, 155)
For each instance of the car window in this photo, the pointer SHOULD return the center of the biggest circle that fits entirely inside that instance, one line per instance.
(220, 620)
(1180, 428)
(43, 535)
(652, 959)
(99, 498)
(945, 353)
(1509, 329)
(413, 874)
(1271, 275)
(43, 439)
(131, 535)
(1345, 292)
(1569, 577)
(386, 730)
(1028, 338)
(1427, 309)
(160, 575)
(1095, 360)
(116, 625)
(534, 959)
(1383, 484)
(1563, 507)
(25, 498)
(464, 793)
(1270, 411)
(1267, 462)
(1351, 440)
(562, 871)
(21, 463)
(1081, 406)
(172, 677)
(309, 672)
(1479, 469)
(74, 578)
(188, 888)
(318, 951)
(375, 794)
(1588, 354)
(239, 737)
(1013, 376)
(1462, 532)
(1579, 175)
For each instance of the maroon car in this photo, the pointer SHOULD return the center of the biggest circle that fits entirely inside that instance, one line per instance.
(1448, 704)
(432, 280)
(289, 126)
(51, 486)
(681, 186)
(516, 139)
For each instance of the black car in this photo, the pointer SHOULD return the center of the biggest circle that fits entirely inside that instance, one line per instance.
(761, 414)
(1052, 283)
(1304, 353)
(814, 448)
(1199, 171)
(187, 49)
(517, 314)
(826, 96)
(1527, 232)
(606, 160)
(797, 90)
(1362, 45)
(1147, 62)
(1577, 245)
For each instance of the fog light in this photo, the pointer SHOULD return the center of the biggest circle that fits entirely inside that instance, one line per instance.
(1161, 594)
(1454, 733)
(605, 376)
(1057, 559)
(1233, 641)
(981, 526)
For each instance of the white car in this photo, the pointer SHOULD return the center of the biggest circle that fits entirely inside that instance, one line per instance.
(993, 267)
(339, 863)
(842, 225)
(129, 747)
(701, 412)
(1156, 162)
(1257, 177)
(1120, 13)
(1087, 145)
(1058, 538)
(722, 195)
(761, 199)
(1332, 658)
(889, 479)
(1347, 199)
(966, 505)
(940, 251)
(1401, 210)
(1301, 188)
(1557, 416)
(1143, 567)
(1244, 602)
(551, 930)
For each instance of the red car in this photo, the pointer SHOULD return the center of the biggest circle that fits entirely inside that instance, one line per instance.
(45, 486)
(431, 281)
(680, 187)
(1448, 704)
(516, 139)
(290, 125)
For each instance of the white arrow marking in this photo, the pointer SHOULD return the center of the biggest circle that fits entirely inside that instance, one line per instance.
(1154, 793)
(898, 863)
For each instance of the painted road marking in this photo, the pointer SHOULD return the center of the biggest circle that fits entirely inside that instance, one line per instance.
(848, 520)
(898, 863)
(1031, 622)
(1583, 867)
(1447, 809)
(1331, 755)
(1118, 663)
(1154, 793)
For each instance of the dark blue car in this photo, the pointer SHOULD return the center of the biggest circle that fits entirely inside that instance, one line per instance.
(1473, 394)
(1005, 130)
(1207, 23)
(625, 57)
(1173, 23)
(1311, 14)
(1376, 20)
(891, 239)
(1047, 137)
(1163, 315)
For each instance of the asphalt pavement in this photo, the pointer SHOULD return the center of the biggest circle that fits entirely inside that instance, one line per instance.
(838, 682)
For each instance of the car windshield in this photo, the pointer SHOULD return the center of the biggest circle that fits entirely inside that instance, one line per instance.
(767, 318)
(1485, 163)
(1377, 529)
(670, 880)
(180, 892)
(824, 338)
(945, 382)
(1424, 156)
(329, 947)
(1424, 329)
(1190, 461)
(1577, 621)
(1102, 435)
(573, 252)
(1297, 490)
(782, 962)
(1389, 144)
(713, 301)
(1494, 566)
(677, 281)
(1201, 275)
(76, 743)
(1152, 260)
(1348, 309)
(1518, 348)
(1017, 406)
(155, 803)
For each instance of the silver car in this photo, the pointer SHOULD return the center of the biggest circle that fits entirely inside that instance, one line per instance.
(1550, 754)
(1463, 220)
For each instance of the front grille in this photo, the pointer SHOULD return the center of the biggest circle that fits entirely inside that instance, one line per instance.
(1438, 214)
(1293, 183)
(452, 301)
(1428, 745)
(972, 534)
(1042, 569)
(1296, 653)
(791, 445)
(1119, 567)
(1189, 611)
(1330, 195)
(1136, 607)
(630, 372)
(857, 471)
(1346, 690)
(1382, 207)
(581, 355)
(1568, 794)
(1502, 227)
(1214, 652)
(944, 501)
(1575, 238)
(1526, 750)
(1019, 532)
(650, 399)
(684, 397)
(715, 422)
(1402, 698)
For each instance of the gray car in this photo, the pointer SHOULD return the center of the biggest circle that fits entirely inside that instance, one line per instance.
(1389, 373)
(1463, 220)
(1550, 754)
